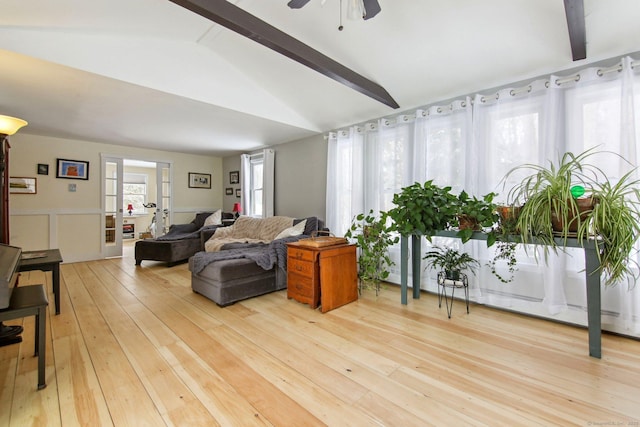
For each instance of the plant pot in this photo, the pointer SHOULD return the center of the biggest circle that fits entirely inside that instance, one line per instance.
(452, 275)
(509, 218)
(574, 218)
(465, 222)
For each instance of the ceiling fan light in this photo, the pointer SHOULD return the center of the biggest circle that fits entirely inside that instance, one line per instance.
(355, 9)
(10, 125)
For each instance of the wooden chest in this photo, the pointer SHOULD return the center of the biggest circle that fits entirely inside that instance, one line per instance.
(325, 276)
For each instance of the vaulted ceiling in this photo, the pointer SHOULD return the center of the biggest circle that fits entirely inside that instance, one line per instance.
(153, 74)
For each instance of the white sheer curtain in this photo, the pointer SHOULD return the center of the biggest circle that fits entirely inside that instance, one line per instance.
(471, 144)
(245, 183)
(268, 182)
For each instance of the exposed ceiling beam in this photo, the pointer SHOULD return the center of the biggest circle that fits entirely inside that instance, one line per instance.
(574, 9)
(242, 22)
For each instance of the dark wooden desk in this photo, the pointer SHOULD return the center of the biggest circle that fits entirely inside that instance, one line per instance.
(31, 301)
(51, 262)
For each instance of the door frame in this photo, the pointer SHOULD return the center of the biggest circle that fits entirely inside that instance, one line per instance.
(160, 197)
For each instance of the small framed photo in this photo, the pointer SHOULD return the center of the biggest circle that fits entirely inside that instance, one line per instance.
(234, 177)
(23, 185)
(43, 169)
(72, 169)
(199, 180)
(238, 193)
(228, 191)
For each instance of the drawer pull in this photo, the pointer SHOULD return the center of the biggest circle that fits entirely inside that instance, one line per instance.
(299, 267)
(298, 287)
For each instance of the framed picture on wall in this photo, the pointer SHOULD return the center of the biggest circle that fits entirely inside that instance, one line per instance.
(234, 177)
(23, 185)
(238, 193)
(43, 169)
(199, 180)
(228, 191)
(72, 169)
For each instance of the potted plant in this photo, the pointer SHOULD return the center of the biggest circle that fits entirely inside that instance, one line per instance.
(615, 222)
(423, 209)
(475, 214)
(546, 196)
(451, 261)
(553, 206)
(505, 246)
(373, 237)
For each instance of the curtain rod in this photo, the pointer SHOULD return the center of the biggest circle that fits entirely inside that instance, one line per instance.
(424, 111)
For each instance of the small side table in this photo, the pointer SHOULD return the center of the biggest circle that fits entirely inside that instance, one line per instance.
(50, 262)
(327, 275)
(31, 301)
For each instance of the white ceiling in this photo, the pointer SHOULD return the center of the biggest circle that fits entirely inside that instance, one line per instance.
(149, 73)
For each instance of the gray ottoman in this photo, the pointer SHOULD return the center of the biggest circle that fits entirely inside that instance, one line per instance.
(232, 280)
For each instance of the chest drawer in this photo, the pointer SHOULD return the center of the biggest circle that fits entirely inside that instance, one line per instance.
(300, 286)
(300, 254)
(303, 268)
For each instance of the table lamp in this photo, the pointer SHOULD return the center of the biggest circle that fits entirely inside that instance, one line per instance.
(237, 209)
(129, 208)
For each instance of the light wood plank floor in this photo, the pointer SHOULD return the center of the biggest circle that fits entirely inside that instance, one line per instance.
(135, 346)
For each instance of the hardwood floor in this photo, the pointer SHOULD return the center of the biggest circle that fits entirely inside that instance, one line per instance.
(135, 346)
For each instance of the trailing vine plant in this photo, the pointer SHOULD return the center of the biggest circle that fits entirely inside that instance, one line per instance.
(373, 237)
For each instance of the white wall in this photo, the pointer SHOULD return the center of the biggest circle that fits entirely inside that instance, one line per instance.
(71, 221)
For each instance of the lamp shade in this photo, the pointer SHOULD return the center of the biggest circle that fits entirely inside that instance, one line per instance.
(237, 208)
(130, 207)
(10, 125)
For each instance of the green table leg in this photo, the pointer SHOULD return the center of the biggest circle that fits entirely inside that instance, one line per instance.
(404, 260)
(416, 259)
(594, 321)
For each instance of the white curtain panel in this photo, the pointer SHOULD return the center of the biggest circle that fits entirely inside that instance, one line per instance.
(471, 144)
(268, 182)
(245, 183)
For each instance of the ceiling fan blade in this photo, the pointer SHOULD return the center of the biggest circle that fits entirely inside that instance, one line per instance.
(297, 4)
(371, 8)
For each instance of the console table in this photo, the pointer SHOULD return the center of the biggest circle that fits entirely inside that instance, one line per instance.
(49, 262)
(592, 276)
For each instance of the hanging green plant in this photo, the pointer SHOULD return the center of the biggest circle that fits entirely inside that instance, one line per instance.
(373, 237)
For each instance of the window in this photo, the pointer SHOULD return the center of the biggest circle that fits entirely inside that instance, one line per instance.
(256, 186)
(134, 191)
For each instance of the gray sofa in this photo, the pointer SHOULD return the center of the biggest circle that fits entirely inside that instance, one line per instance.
(181, 242)
(244, 270)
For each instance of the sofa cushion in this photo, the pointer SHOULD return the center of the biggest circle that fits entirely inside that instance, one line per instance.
(294, 230)
(311, 225)
(200, 219)
(214, 219)
(231, 269)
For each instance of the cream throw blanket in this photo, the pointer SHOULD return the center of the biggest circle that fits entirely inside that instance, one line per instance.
(248, 230)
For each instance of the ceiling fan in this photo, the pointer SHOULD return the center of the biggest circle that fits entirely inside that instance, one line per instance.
(368, 8)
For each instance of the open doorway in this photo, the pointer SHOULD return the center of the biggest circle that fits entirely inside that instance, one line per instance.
(136, 201)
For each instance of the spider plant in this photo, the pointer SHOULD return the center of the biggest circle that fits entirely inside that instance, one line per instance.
(612, 217)
(546, 195)
(615, 222)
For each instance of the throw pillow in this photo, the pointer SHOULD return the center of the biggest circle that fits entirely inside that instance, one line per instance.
(296, 230)
(214, 219)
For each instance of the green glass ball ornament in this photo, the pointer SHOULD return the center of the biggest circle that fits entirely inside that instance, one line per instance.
(577, 191)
